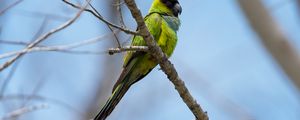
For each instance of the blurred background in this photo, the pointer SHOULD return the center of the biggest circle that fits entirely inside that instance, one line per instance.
(219, 56)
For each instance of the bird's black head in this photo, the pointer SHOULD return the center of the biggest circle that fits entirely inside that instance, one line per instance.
(174, 6)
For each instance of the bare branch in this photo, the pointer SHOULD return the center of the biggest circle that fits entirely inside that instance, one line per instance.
(10, 6)
(165, 64)
(109, 27)
(24, 110)
(58, 48)
(112, 51)
(102, 19)
(13, 42)
(272, 37)
(42, 38)
(69, 51)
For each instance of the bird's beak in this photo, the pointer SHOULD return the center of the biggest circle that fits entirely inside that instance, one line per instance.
(177, 8)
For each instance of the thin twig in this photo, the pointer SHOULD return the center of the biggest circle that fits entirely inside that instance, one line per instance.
(42, 38)
(165, 64)
(69, 51)
(112, 51)
(109, 27)
(103, 20)
(11, 42)
(12, 71)
(59, 48)
(10, 6)
(44, 99)
(23, 110)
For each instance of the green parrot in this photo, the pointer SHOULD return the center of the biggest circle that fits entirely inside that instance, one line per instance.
(163, 24)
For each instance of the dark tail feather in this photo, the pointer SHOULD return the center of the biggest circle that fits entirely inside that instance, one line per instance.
(112, 102)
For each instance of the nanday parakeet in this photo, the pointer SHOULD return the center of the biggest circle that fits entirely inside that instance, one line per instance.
(163, 24)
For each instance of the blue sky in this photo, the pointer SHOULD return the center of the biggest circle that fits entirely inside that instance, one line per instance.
(220, 58)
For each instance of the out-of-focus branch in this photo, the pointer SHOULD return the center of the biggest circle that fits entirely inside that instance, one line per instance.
(102, 19)
(41, 98)
(273, 39)
(165, 64)
(43, 37)
(58, 48)
(298, 5)
(68, 48)
(120, 12)
(23, 110)
(50, 48)
(10, 6)
(9, 77)
(109, 27)
(13, 42)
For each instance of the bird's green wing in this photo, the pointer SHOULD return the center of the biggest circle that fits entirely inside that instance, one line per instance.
(153, 22)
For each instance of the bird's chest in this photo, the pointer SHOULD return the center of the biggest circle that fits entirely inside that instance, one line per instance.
(168, 39)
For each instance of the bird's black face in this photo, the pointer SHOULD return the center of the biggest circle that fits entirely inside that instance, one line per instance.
(174, 6)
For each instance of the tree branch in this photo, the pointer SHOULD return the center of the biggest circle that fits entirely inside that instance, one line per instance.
(43, 99)
(109, 27)
(272, 37)
(165, 64)
(58, 48)
(112, 51)
(43, 37)
(23, 110)
(102, 19)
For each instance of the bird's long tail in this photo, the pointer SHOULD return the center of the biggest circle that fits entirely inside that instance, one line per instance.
(112, 102)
